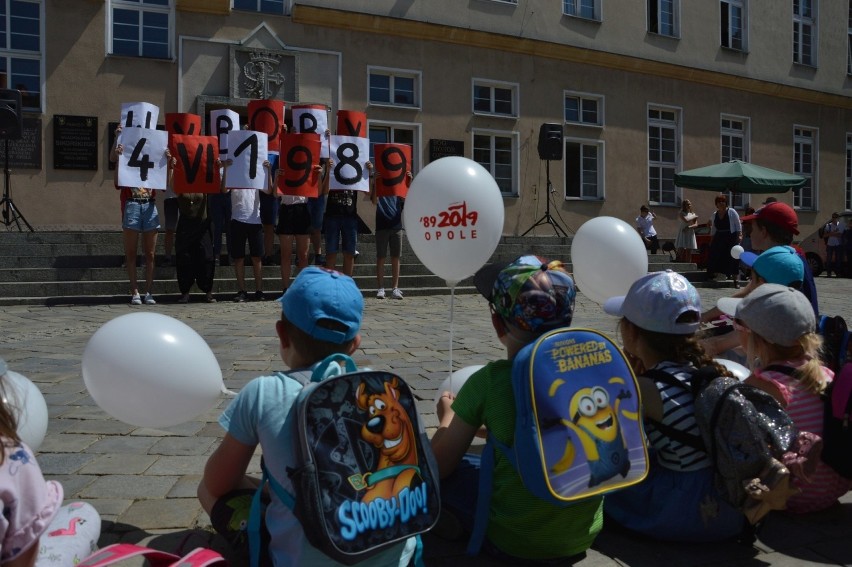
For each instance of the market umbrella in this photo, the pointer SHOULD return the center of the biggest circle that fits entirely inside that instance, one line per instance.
(739, 177)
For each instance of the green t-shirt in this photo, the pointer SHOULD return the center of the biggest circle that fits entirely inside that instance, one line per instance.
(520, 523)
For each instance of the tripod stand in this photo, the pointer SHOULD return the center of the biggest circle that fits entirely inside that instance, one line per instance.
(10, 211)
(547, 218)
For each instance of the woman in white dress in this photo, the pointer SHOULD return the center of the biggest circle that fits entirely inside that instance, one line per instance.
(685, 242)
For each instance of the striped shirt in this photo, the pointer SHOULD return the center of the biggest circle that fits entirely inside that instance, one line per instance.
(679, 413)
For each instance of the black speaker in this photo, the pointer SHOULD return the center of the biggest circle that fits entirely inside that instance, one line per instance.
(11, 117)
(550, 142)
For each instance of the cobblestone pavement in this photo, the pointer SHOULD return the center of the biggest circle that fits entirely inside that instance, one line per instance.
(143, 480)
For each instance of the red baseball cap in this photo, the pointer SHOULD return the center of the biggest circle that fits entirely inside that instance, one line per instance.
(779, 214)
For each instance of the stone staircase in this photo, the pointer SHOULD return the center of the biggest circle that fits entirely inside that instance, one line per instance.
(57, 268)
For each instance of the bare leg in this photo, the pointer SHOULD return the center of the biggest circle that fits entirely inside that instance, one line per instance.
(256, 268)
(286, 242)
(268, 239)
(131, 242)
(348, 263)
(330, 260)
(240, 273)
(316, 242)
(380, 272)
(302, 250)
(395, 270)
(149, 240)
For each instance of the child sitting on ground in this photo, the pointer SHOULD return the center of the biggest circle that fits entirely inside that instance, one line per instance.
(527, 298)
(777, 326)
(321, 315)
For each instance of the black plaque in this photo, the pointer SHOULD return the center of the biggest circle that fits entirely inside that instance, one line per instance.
(25, 153)
(443, 148)
(75, 142)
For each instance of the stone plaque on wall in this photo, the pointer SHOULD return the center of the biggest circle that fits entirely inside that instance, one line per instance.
(443, 148)
(25, 153)
(75, 142)
(263, 73)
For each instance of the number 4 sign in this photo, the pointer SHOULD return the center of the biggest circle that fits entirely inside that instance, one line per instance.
(143, 162)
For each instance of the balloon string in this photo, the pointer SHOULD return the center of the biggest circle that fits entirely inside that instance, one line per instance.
(452, 304)
(228, 393)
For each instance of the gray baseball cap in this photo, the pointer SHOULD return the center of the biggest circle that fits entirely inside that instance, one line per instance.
(777, 313)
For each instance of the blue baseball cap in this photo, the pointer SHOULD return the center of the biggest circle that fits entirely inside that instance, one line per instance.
(320, 294)
(778, 265)
(656, 301)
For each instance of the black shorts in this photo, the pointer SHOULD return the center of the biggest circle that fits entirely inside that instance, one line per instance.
(229, 517)
(294, 219)
(268, 208)
(241, 233)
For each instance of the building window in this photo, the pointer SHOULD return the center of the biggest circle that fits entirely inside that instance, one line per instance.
(735, 142)
(583, 108)
(394, 87)
(663, 17)
(498, 153)
(265, 6)
(589, 9)
(584, 171)
(804, 164)
(495, 98)
(21, 49)
(392, 133)
(733, 24)
(804, 32)
(141, 28)
(848, 198)
(663, 154)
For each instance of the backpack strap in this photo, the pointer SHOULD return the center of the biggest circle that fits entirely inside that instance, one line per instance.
(329, 367)
(254, 521)
(782, 368)
(673, 433)
(483, 500)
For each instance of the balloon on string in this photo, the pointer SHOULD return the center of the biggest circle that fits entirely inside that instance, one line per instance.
(739, 371)
(607, 256)
(453, 217)
(456, 380)
(737, 251)
(151, 370)
(28, 406)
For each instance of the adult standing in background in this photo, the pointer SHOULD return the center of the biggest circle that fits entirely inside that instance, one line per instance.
(685, 242)
(194, 261)
(388, 234)
(833, 246)
(727, 232)
(645, 226)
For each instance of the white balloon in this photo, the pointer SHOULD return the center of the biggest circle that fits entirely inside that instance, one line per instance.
(151, 370)
(737, 251)
(739, 371)
(453, 217)
(607, 256)
(28, 406)
(456, 380)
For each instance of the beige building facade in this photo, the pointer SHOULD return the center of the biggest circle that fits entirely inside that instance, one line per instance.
(637, 90)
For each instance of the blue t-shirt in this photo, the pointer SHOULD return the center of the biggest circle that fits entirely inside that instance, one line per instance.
(389, 213)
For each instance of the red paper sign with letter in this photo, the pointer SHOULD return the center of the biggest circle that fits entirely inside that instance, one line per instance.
(351, 123)
(299, 154)
(267, 116)
(195, 170)
(393, 162)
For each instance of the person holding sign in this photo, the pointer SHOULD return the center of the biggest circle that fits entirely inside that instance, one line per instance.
(139, 216)
(388, 232)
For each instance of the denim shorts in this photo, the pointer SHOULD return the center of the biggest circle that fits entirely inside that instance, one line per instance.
(337, 226)
(141, 217)
(317, 209)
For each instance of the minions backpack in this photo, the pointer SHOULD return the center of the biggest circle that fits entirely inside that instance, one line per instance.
(578, 424)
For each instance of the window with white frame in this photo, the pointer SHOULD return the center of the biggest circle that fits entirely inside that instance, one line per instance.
(582, 108)
(141, 28)
(804, 32)
(498, 152)
(263, 6)
(804, 164)
(664, 17)
(734, 134)
(848, 193)
(393, 87)
(395, 133)
(495, 98)
(588, 9)
(663, 154)
(584, 169)
(733, 24)
(21, 49)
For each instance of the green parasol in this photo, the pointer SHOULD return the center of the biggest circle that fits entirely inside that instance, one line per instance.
(738, 177)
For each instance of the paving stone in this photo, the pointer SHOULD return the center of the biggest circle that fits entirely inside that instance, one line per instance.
(123, 444)
(111, 507)
(161, 514)
(168, 465)
(63, 463)
(125, 463)
(67, 443)
(182, 445)
(99, 427)
(186, 486)
(130, 486)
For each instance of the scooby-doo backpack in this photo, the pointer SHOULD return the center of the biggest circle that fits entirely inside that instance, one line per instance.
(578, 424)
(367, 479)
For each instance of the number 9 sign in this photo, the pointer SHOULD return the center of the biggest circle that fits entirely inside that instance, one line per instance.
(453, 217)
(393, 162)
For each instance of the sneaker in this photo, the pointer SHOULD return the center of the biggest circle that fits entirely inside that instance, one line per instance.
(184, 298)
(319, 260)
(241, 297)
(381, 293)
(258, 296)
(396, 293)
(135, 299)
(149, 299)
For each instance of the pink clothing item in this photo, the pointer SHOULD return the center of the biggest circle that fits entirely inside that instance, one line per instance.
(29, 502)
(806, 410)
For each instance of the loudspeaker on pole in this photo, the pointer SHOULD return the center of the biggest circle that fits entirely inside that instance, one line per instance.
(550, 142)
(11, 117)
